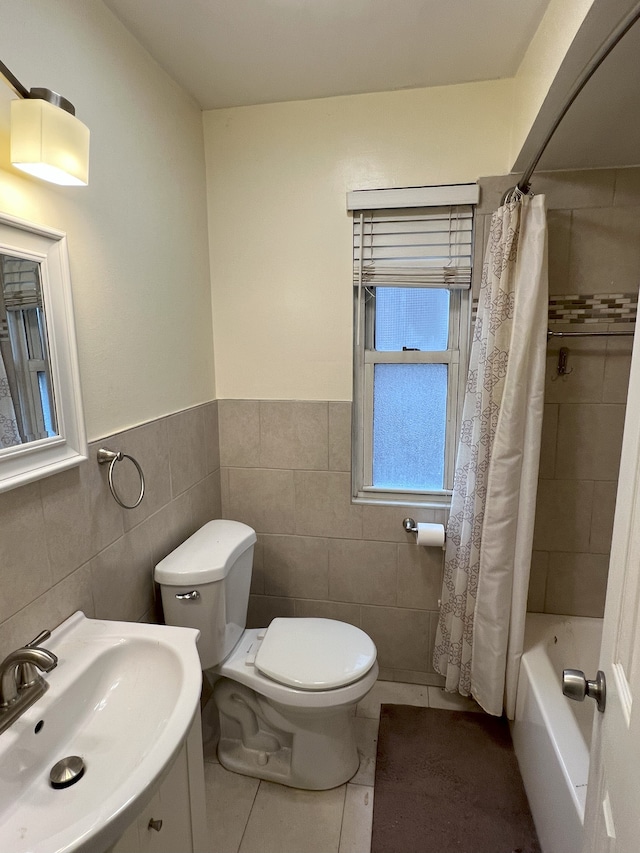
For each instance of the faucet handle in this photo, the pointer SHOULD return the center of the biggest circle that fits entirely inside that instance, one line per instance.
(26, 674)
(42, 636)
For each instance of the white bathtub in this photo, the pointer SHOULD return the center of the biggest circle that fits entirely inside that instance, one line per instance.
(552, 734)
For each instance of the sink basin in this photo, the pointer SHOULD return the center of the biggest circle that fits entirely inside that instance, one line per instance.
(122, 697)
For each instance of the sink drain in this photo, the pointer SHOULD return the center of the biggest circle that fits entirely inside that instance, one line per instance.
(66, 772)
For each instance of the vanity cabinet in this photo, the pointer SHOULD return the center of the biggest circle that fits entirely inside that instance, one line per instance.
(174, 821)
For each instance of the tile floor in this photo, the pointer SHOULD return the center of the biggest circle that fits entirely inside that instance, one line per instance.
(246, 815)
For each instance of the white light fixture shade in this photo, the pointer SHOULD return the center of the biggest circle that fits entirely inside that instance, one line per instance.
(49, 143)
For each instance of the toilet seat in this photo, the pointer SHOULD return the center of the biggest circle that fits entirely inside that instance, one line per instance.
(314, 654)
(240, 666)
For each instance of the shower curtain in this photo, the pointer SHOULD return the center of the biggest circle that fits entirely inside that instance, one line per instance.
(9, 435)
(490, 530)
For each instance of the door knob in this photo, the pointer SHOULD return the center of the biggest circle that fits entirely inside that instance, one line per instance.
(576, 686)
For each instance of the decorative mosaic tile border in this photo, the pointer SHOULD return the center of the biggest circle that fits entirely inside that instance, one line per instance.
(588, 309)
(596, 308)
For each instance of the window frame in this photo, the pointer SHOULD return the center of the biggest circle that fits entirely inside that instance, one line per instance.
(456, 357)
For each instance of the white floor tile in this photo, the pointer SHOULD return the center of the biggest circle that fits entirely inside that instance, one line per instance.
(357, 820)
(393, 693)
(288, 820)
(367, 739)
(439, 698)
(230, 798)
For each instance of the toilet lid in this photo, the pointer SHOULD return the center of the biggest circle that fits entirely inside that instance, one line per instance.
(315, 654)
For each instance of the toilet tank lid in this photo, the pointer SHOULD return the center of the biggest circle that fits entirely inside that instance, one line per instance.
(208, 555)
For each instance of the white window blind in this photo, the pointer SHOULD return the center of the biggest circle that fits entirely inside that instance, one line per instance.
(415, 247)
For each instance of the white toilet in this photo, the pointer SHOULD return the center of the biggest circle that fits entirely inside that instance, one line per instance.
(287, 693)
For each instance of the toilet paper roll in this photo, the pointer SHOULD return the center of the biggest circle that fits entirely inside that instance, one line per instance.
(430, 535)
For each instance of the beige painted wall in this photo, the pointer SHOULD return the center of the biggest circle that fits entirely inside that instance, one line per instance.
(541, 62)
(137, 234)
(280, 236)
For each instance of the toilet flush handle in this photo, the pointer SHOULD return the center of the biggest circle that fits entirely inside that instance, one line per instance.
(188, 596)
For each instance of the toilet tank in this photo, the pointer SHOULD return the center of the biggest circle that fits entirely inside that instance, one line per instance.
(205, 585)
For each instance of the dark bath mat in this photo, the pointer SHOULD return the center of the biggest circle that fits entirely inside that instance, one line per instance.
(448, 782)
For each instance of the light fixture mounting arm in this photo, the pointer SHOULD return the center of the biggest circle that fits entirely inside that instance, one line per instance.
(39, 93)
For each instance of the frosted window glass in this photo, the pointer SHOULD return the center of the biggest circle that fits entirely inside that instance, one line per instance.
(412, 317)
(409, 420)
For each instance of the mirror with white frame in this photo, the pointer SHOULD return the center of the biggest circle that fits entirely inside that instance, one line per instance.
(41, 421)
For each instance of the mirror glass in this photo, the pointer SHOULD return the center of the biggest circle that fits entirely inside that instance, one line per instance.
(41, 421)
(27, 405)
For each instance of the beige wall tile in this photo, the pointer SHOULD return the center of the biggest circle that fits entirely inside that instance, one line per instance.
(563, 515)
(481, 233)
(211, 436)
(294, 434)
(122, 577)
(323, 505)
(408, 676)
(627, 189)
(329, 610)
(296, 566)
(339, 436)
(25, 572)
(362, 572)
(205, 500)
(492, 188)
(605, 251)
(402, 636)
(263, 498)
(257, 573)
(586, 361)
(419, 576)
(538, 581)
(148, 444)
(559, 237)
(384, 523)
(589, 441)
(48, 610)
(239, 425)
(187, 452)
(604, 505)
(80, 514)
(575, 189)
(169, 527)
(616, 370)
(264, 608)
(548, 443)
(577, 584)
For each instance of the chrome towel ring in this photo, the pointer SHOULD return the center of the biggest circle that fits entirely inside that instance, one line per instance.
(110, 457)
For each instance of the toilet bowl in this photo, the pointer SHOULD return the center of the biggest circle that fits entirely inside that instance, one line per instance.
(285, 694)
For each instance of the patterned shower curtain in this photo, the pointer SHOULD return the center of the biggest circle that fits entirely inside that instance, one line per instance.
(9, 435)
(490, 530)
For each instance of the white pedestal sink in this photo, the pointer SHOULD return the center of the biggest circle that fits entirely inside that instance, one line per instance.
(123, 698)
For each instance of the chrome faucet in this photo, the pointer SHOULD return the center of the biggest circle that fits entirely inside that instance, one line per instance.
(20, 682)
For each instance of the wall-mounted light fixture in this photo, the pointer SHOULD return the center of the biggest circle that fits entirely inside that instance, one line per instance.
(47, 140)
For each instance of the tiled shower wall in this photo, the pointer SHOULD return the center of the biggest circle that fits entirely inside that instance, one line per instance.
(66, 545)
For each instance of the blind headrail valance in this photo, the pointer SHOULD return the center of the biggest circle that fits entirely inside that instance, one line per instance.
(415, 247)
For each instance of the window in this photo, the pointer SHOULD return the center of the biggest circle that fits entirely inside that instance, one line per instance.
(412, 280)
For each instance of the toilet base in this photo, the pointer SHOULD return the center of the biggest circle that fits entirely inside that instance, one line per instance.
(310, 748)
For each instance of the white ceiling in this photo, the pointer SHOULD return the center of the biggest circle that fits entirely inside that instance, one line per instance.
(239, 52)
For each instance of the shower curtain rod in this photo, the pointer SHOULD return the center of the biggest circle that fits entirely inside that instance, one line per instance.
(551, 334)
(594, 63)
